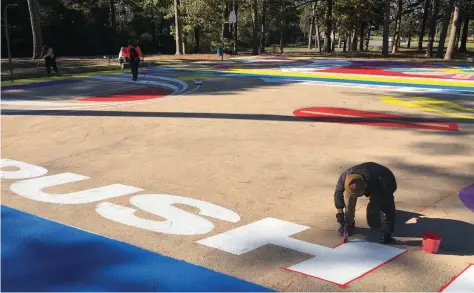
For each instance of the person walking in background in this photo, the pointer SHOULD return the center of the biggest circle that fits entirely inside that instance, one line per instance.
(50, 59)
(135, 54)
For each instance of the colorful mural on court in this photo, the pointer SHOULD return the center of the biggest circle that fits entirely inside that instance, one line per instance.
(387, 68)
(432, 105)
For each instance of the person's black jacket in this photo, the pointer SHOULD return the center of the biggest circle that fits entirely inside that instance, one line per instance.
(380, 182)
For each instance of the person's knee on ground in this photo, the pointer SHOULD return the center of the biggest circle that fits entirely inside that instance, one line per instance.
(387, 218)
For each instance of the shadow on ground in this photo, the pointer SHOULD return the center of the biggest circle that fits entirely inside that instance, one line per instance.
(458, 236)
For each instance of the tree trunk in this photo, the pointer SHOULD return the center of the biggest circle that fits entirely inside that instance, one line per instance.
(183, 42)
(354, 41)
(177, 28)
(317, 39)
(444, 30)
(398, 23)
(423, 24)
(452, 37)
(33, 8)
(328, 23)
(255, 27)
(197, 32)
(458, 31)
(262, 36)
(386, 27)
(340, 40)
(282, 20)
(361, 40)
(113, 24)
(433, 24)
(409, 43)
(368, 38)
(344, 49)
(311, 24)
(333, 40)
(235, 7)
(465, 30)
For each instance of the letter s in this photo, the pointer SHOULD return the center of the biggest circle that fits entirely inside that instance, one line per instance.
(178, 221)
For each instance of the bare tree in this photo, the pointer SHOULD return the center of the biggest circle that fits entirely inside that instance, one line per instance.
(177, 28)
(33, 9)
(465, 30)
(433, 23)
(426, 8)
(444, 29)
(263, 31)
(255, 27)
(311, 24)
(452, 37)
(386, 28)
(398, 24)
(328, 23)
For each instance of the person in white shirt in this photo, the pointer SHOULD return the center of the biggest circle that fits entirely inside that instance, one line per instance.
(50, 59)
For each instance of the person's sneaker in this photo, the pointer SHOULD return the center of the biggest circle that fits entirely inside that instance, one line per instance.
(387, 239)
(350, 228)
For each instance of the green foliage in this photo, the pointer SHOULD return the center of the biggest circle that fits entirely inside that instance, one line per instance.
(97, 27)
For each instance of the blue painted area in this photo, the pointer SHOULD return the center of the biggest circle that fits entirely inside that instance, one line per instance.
(39, 84)
(329, 80)
(41, 255)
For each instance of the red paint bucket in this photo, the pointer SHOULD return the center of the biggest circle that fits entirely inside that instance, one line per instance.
(431, 242)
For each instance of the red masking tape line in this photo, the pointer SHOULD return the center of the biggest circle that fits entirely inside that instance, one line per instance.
(453, 278)
(365, 274)
(345, 285)
(300, 273)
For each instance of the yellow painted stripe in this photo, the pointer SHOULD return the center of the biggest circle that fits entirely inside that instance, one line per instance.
(374, 78)
(432, 105)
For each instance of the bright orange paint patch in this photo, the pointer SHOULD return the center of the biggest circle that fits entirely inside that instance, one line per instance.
(146, 93)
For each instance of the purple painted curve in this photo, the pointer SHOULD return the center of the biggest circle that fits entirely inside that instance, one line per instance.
(38, 84)
(467, 197)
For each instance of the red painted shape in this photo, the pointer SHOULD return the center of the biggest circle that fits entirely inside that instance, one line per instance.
(145, 93)
(453, 278)
(367, 70)
(349, 116)
(345, 285)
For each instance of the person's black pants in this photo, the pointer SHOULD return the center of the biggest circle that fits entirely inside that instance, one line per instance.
(134, 68)
(381, 213)
(51, 62)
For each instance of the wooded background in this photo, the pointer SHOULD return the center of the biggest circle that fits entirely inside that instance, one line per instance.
(98, 27)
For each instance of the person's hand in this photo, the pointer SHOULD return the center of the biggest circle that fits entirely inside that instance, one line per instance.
(340, 218)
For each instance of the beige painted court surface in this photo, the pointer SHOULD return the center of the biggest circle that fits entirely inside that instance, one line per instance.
(235, 142)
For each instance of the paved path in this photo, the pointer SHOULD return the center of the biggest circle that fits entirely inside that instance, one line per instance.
(222, 175)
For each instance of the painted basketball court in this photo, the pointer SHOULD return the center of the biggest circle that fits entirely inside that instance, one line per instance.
(220, 177)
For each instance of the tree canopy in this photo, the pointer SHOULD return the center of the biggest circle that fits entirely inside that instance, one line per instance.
(96, 27)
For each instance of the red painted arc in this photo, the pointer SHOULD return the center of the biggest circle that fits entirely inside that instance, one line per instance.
(377, 71)
(145, 93)
(454, 278)
(350, 116)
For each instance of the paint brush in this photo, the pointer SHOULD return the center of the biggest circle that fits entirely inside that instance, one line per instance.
(346, 232)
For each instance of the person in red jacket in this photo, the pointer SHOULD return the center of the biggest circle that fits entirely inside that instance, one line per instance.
(135, 54)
